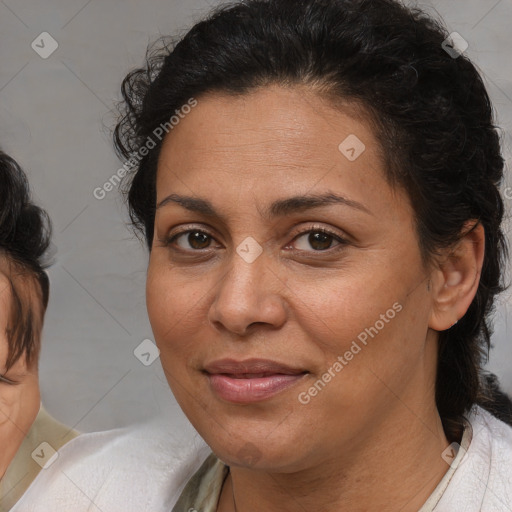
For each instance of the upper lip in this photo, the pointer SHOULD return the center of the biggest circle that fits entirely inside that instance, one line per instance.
(251, 366)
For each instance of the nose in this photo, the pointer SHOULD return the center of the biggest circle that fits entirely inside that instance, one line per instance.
(249, 293)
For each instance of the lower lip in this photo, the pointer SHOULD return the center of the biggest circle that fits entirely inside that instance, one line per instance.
(253, 389)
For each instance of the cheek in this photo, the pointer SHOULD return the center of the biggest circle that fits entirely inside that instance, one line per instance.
(175, 313)
(375, 352)
(366, 329)
(336, 311)
(175, 323)
(162, 298)
(19, 404)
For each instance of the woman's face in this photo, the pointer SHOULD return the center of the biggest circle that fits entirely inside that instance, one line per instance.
(19, 400)
(340, 319)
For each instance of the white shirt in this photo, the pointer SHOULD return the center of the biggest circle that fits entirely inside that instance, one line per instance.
(145, 469)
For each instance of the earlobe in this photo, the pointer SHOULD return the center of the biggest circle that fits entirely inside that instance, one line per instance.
(456, 278)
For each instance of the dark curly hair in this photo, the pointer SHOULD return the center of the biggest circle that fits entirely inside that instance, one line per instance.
(433, 118)
(25, 235)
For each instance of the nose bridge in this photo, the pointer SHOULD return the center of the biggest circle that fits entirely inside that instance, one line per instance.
(243, 281)
(245, 294)
(246, 267)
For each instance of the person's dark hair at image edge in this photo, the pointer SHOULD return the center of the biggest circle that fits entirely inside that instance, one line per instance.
(25, 235)
(432, 114)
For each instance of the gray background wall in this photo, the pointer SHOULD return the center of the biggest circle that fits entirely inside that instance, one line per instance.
(54, 119)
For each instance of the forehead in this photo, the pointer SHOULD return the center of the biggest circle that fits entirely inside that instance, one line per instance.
(270, 128)
(273, 142)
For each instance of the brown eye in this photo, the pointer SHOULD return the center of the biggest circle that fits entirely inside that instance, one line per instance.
(195, 239)
(318, 240)
(198, 240)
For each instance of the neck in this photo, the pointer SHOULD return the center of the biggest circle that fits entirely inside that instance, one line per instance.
(403, 449)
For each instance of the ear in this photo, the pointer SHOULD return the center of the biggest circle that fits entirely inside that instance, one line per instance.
(455, 280)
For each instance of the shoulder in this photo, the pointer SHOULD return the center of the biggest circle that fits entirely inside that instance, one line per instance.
(133, 469)
(492, 440)
(483, 479)
(495, 445)
(46, 435)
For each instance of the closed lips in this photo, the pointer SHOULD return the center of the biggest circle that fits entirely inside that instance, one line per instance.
(250, 380)
(252, 368)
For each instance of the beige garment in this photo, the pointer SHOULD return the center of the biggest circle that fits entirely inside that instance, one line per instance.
(202, 492)
(24, 468)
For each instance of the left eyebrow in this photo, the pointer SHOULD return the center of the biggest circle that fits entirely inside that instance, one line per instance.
(278, 208)
(302, 203)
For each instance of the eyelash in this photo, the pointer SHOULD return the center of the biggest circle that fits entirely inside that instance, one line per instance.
(167, 242)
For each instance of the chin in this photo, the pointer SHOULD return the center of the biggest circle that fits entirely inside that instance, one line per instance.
(257, 452)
